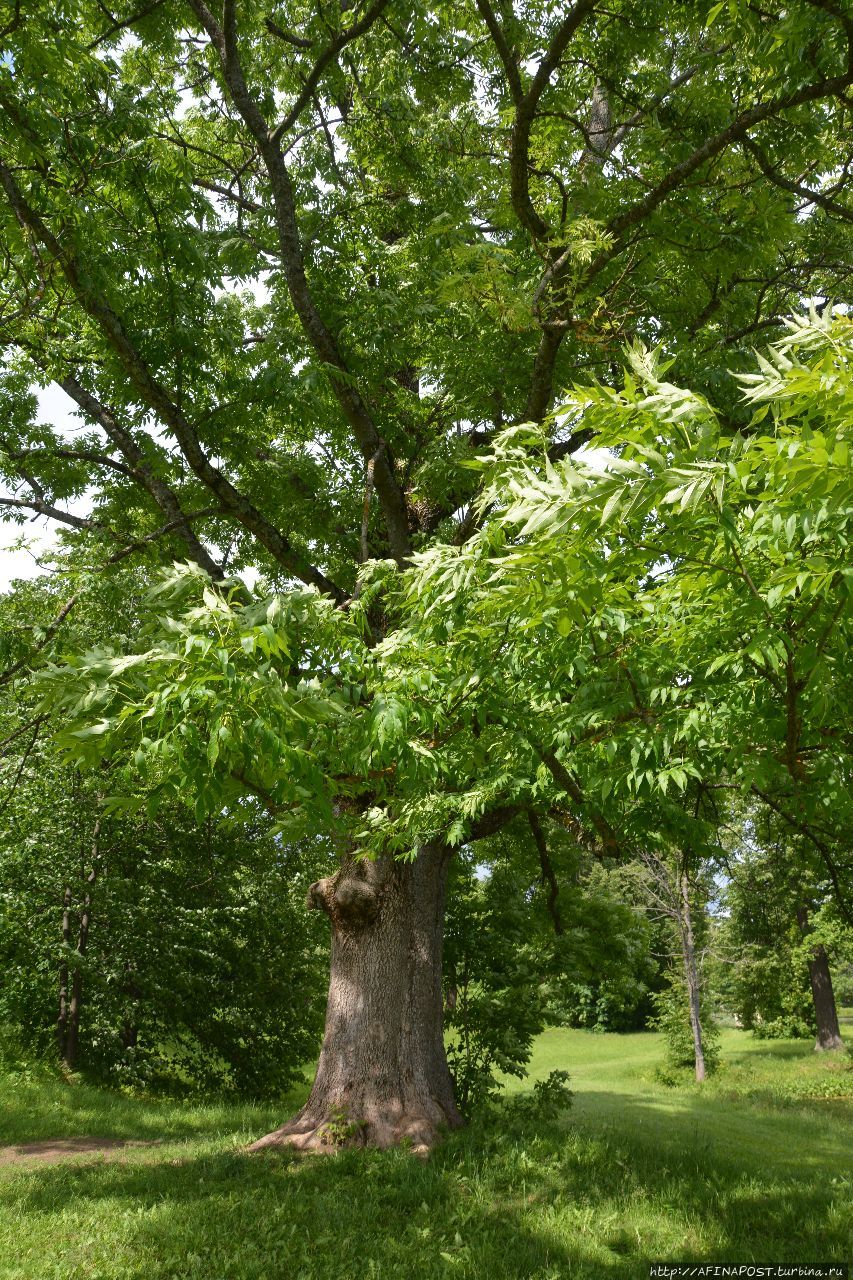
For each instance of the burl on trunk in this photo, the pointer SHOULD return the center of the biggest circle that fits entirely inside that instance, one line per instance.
(382, 1078)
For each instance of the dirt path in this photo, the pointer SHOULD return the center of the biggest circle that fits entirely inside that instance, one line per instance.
(55, 1149)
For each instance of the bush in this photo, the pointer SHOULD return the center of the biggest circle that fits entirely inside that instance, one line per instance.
(602, 1005)
(547, 1100)
(552, 1095)
(493, 993)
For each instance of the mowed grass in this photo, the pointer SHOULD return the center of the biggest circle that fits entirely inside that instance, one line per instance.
(756, 1166)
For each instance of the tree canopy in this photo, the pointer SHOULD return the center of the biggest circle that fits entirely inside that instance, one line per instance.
(289, 259)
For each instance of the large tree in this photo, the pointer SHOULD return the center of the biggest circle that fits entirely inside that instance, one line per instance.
(294, 263)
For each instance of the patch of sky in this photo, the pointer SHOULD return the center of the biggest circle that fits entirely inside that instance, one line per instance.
(25, 552)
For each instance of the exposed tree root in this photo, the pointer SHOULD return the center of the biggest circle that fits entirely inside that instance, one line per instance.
(417, 1130)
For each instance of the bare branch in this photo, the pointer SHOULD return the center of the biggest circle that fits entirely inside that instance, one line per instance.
(141, 470)
(9, 796)
(807, 830)
(659, 99)
(298, 42)
(19, 732)
(328, 56)
(796, 188)
(121, 24)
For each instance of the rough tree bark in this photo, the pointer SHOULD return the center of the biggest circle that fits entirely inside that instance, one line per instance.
(382, 1078)
(826, 1013)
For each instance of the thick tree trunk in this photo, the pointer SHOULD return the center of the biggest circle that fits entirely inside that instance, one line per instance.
(828, 1030)
(382, 1078)
(691, 974)
(826, 1014)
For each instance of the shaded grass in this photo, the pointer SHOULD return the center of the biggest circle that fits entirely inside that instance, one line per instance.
(34, 1107)
(635, 1172)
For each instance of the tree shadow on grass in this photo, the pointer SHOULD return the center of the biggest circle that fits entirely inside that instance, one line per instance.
(756, 1049)
(801, 1138)
(44, 1110)
(507, 1199)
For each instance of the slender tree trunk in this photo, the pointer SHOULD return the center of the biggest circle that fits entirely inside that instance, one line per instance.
(62, 1019)
(72, 1032)
(72, 1026)
(382, 1077)
(826, 1014)
(691, 973)
(129, 1034)
(72, 1035)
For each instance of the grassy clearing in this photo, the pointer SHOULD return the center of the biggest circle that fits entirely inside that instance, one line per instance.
(748, 1168)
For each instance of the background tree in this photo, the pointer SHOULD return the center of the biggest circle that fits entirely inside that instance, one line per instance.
(781, 932)
(595, 183)
(141, 946)
(678, 892)
(608, 985)
(538, 933)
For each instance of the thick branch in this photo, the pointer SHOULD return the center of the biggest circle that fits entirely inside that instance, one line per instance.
(165, 497)
(370, 442)
(172, 526)
(493, 821)
(527, 102)
(547, 870)
(510, 65)
(41, 507)
(158, 399)
(73, 455)
(737, 131)
(298, 42)
(569, 783)
(542, 383)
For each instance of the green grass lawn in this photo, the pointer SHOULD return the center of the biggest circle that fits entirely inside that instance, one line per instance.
(757, 1165)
